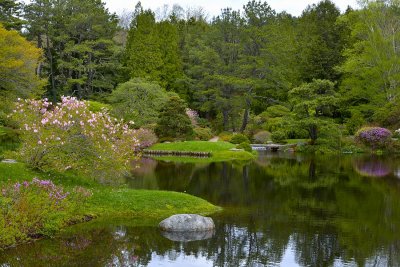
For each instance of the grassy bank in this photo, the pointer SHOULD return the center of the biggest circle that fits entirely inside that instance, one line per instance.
(220, 151)
(106, 202)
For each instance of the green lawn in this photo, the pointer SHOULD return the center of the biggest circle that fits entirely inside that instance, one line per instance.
(195, 146)
(220, 151)
(108, 202)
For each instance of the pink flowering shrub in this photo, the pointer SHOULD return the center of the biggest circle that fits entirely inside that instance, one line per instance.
(193, 116)
(146, 138)
(68, 135)
(374, 137)
(36, 208)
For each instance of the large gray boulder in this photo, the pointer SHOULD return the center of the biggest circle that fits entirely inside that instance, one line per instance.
(187, 223)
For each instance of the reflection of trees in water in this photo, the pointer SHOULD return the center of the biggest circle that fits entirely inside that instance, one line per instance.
(319, 207)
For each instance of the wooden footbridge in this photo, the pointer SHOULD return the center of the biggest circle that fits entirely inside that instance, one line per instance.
(272, 147)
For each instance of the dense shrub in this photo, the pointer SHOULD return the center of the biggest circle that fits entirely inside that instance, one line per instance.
(8, 135)
(36, 208)
(278, 137)
(95, 106)
(138, 100)
(225, 136)
(245, 145)
(374, 137)
(239, 138)
(262, 137)
(203, 134)
(173, 122)
(68, 135)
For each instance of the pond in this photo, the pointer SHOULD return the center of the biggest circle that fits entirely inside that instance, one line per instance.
(280, 210)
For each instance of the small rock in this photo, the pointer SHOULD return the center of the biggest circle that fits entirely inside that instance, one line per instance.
(187, 223)
(188, 236)
(9, 161)
(236, 149)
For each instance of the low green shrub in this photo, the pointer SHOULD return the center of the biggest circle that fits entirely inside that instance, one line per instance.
(225, 136)
(203, 134)
(37, 208)
(8, 135)
(245, 146)
(239, 138)
(279, 137)
(95, 106)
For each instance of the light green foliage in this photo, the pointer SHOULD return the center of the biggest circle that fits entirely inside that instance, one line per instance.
(220, 151)
(173, 121)
(239, 138)
(279, 137)
(355, 122)
(203, 134)
(139, 101)
(36, 208)
(372, 69)
(245, 145)
(95, 106)
(106, 201)
(195, 146)
(311, 103)
(18, 61)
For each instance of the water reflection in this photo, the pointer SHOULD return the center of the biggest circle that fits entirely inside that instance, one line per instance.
(286, 210)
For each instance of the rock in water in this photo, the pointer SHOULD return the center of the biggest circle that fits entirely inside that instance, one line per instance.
(188, 236)
(187, 223)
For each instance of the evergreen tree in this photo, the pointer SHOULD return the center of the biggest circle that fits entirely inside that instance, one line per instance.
(82, 58)
(10, 14)
(173, 121)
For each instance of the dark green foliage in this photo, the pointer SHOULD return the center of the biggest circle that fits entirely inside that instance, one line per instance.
(10, 14)
(239, 138)
(322, 41)
(77, 37)
(152, 49)
(173, 122)
(279, 137)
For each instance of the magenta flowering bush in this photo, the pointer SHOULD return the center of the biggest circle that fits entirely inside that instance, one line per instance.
(67, 135)
(374, 137)
(39, 207)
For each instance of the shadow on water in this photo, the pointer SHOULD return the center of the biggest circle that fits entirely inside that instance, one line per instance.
(283, 209)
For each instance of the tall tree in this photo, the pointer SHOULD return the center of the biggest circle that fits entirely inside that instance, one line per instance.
(372, 67)
(82, 58)
(10, 14)
(18, 61)
(321, 41)
(152, 49)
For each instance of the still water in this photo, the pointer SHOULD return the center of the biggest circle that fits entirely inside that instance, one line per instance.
(281, 210)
